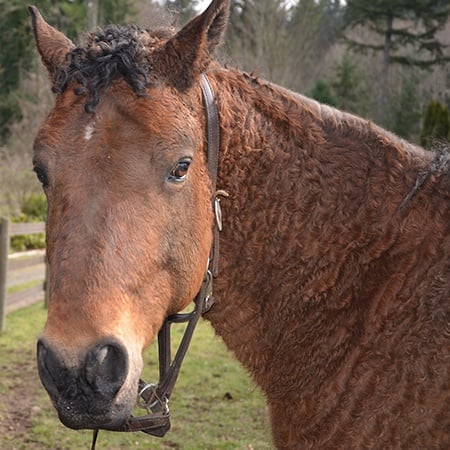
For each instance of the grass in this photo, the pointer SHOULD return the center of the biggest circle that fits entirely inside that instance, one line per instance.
(215, 405)
(23, 286)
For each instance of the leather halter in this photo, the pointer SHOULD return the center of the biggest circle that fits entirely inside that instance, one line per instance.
(155, 398)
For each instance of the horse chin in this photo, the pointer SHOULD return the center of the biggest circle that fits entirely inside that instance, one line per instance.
(96, 413)
(113, 417)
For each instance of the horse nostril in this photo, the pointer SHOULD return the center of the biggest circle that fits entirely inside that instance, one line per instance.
(51, 370)
(106, 368)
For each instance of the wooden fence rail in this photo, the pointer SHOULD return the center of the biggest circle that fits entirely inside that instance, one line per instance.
(17, 271)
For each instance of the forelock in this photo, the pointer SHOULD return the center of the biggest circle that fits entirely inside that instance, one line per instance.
(109, 54)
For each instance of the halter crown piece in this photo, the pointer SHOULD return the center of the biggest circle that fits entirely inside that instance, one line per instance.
(154, 398)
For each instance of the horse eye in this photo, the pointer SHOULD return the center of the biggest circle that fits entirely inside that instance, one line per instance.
(179, 172)
(41, 175)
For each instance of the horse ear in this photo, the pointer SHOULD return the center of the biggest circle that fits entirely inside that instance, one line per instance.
(190, 51)
(52, 45)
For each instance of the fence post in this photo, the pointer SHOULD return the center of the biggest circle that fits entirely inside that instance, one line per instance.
(4, 249)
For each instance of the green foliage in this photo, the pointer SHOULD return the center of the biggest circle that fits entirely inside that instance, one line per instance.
(347, 84)
(405, 109)
(322, 92)
(15, 56)
(324, 17)
(34, 209)
(9, 110)
(436, 124)
(27, 241)
(17, 47)
(17, 43)
(115, 11)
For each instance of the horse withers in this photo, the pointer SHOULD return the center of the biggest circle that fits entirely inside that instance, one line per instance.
(333, 285)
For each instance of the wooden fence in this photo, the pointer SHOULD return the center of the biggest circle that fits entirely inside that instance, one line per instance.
(16, 271)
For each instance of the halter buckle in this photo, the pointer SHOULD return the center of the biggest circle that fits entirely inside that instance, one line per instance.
(151, 401)
(218, 208)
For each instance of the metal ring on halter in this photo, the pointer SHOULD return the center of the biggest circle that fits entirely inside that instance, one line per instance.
(145, 404)
(163, 403)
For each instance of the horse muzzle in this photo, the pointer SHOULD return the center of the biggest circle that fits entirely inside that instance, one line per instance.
(88, 394)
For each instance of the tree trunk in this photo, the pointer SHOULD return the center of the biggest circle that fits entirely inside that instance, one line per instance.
(92, 13)
(384, 75)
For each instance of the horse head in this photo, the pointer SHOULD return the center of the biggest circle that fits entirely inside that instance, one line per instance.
(121, 158)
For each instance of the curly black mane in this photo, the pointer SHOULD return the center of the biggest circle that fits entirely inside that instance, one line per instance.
(109, 54)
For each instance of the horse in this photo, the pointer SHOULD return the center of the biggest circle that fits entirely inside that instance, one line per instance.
(333, 276)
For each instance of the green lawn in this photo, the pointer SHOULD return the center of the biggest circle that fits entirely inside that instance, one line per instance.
(215, 405)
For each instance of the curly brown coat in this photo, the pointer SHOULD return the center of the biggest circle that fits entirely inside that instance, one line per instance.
(334, 290)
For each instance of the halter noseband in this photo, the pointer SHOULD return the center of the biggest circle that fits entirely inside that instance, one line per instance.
(154, 398)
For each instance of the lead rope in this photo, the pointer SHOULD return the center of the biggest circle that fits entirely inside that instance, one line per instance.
(94, 439)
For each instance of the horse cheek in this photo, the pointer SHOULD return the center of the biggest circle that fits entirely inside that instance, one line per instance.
(189, 256)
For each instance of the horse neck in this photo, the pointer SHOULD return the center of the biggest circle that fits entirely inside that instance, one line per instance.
(272, 137)
(314, 194)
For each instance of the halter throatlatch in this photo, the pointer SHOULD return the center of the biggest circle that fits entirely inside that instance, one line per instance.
(154, 398)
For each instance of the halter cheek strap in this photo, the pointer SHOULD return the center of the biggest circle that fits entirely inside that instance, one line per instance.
(213, 135)
(155, 398)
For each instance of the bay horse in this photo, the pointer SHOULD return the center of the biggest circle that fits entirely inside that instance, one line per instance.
(334, 273)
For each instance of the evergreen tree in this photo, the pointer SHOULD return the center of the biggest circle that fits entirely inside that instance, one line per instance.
(15, 57)
(17, 44)
(347, 84)
(407, 31)
(322, 92)
(405, 110)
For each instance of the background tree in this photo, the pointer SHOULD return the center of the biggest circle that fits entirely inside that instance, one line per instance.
(257, 37)
(15, 58)
(436, 124)
(282, 40)
(406, 33)
(314, 27)
(323, 93)
(17, 45)
(348, 84)
(184, 9)
(405, 111)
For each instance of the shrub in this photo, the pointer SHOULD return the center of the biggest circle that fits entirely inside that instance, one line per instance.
(436, 124)
(33, 209)
(322, 92)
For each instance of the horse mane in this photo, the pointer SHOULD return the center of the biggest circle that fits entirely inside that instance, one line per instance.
(296, 111)
(107, 55)
(335, 120)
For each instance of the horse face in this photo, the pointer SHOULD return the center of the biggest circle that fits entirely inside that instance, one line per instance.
(128, 234)
(129, 225)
